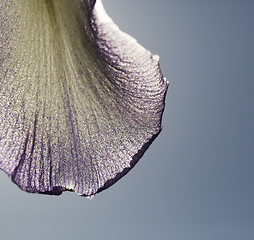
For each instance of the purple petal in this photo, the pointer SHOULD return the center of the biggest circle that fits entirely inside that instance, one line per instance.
(81, 101)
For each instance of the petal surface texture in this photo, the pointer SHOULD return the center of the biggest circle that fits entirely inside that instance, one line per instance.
(80, 101)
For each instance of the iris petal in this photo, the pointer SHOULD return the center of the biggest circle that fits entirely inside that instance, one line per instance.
(81, 101)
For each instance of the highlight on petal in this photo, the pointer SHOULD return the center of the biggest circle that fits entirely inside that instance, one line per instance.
(80, 101)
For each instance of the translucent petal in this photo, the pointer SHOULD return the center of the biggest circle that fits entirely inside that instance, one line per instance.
(80, 101)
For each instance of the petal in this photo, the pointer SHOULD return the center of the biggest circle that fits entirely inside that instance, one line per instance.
(81, 101)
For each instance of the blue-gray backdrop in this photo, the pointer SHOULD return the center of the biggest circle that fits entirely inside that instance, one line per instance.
(196, 180)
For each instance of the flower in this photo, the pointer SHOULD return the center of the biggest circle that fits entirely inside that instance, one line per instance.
(80, 101)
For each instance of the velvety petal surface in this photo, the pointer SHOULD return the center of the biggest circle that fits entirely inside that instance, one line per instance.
(80, 101)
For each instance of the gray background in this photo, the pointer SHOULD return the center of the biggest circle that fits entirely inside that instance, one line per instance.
(196, 180)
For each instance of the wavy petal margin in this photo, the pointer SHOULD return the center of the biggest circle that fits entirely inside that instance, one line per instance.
(80, 101)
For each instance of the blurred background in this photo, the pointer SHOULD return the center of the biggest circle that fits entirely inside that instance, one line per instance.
(195, 182)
